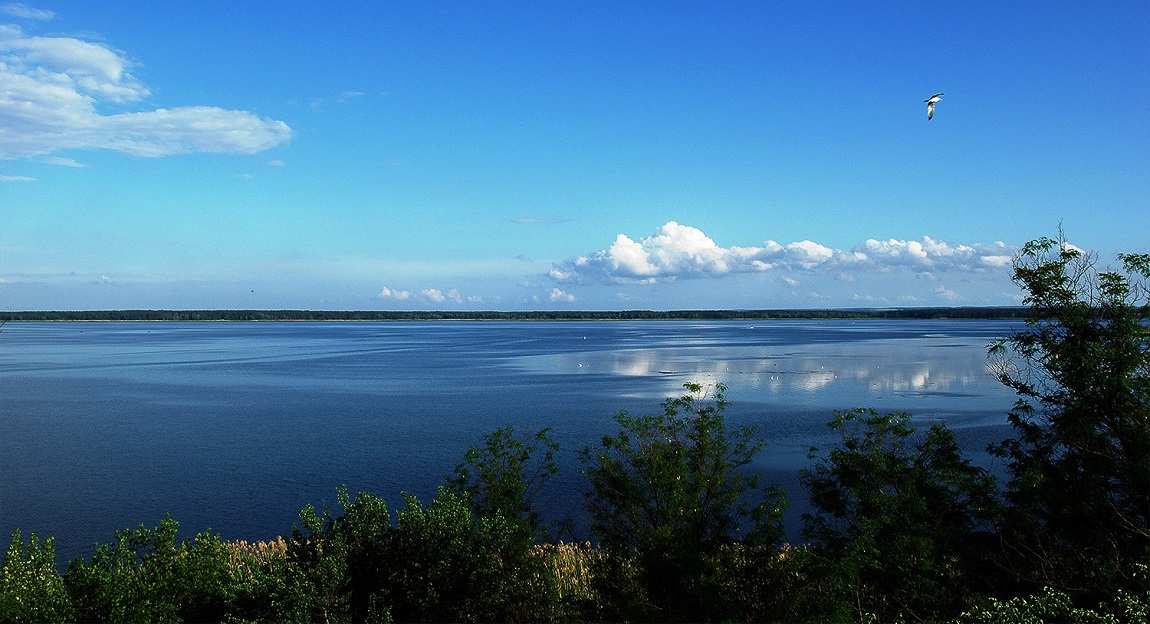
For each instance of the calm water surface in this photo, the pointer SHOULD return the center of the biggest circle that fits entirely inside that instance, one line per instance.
(234, 426)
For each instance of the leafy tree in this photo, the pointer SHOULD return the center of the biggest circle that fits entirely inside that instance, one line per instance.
(670, 489)
(1079, 491)
(504, 475)
(31, 591)
(896, 511)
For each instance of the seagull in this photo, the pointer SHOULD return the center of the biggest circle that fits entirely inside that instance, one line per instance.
(930, 102)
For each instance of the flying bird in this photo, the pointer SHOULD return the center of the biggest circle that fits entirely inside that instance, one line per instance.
(930, 103)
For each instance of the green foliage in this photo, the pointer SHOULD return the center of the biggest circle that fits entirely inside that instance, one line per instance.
(895, 519)
(31, 591)
(339, 557)
(502, 476)
(757, 583)
(1052, 606)
(460, 568)
(670, 489)
(436, 563)
(149, 575)
(1080, 460)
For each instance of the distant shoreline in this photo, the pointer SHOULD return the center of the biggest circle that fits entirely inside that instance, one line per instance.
(958, 313)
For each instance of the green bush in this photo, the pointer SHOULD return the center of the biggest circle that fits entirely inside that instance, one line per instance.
(148, 576)
(503, 476)
(897, 525)
(669, 490)
(436, 563)
(31, 591)
(1055, 607)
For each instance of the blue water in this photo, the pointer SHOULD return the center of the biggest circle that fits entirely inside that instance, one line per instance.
(235, 426)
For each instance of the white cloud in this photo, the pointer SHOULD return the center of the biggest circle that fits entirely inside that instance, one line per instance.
(997, 261)
(53, 88)
(276, 163)
(946, 293)
(677, 250)
(451, 295)
(561, 295)
(10, 178)
(60, 161)
(23, 11)
(398, 295)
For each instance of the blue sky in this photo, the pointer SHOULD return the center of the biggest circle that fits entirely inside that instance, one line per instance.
(560, 155)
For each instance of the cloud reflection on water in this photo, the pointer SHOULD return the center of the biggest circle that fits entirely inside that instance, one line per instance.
(879, 371)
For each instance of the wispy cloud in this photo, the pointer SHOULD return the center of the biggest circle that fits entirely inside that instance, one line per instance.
(681, 251)
(60, 161)
(52, 86)
(946, 293)
(23, 11)
(12, 178)
(536, 220)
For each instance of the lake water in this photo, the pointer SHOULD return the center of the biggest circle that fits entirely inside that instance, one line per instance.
(234, 426)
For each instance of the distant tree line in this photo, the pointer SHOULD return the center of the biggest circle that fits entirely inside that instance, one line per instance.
(447, 315)
(903, 527)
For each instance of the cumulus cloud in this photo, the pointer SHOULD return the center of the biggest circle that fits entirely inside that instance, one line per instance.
(53, 88)
(560, 295)
(677, 250)
(452, 295)
(430, 295)
(23, 11)
(392, 293)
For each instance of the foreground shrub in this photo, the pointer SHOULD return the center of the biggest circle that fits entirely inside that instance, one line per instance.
(148, 575)
(438, 563)
(756, 583)
(668, 490)
(31, 591)
(1051, 606)
(898, 526)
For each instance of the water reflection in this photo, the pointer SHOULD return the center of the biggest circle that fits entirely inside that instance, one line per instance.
(875, 371)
